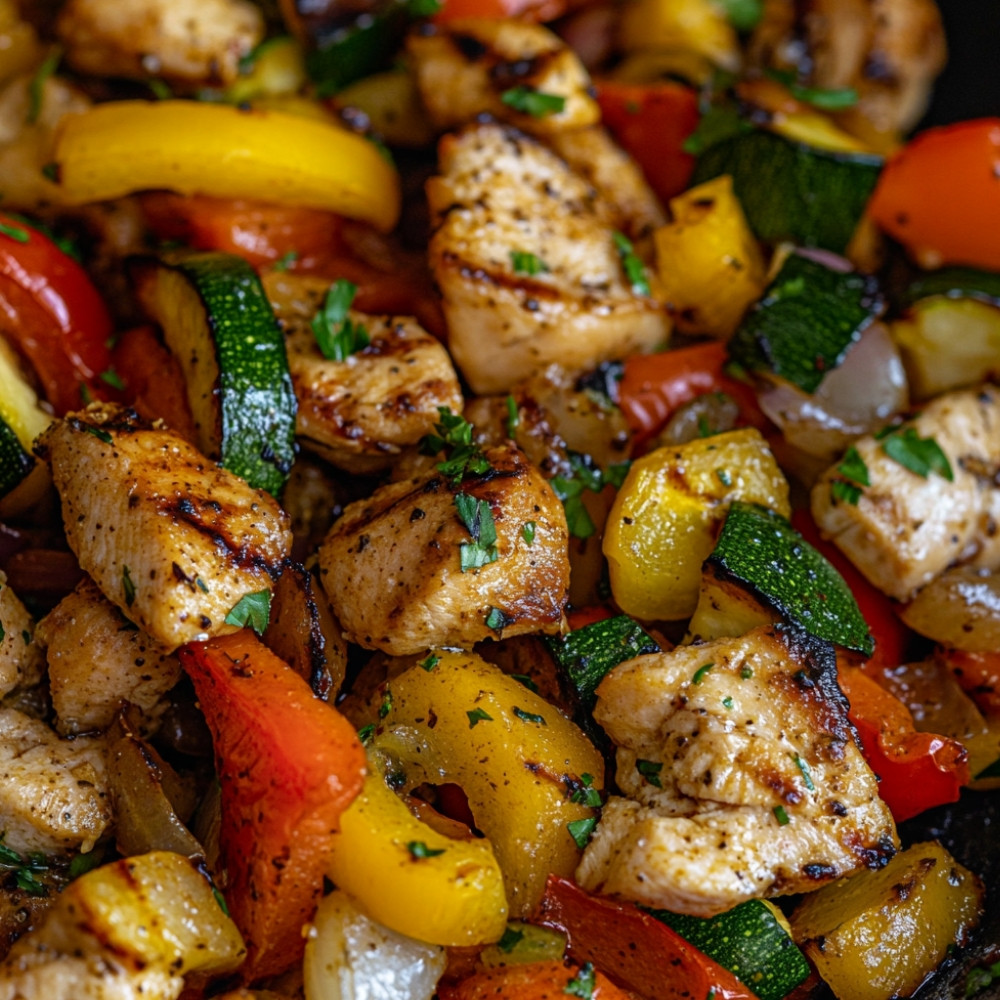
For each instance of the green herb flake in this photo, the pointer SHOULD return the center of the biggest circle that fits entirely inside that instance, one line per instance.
(700, 674)
(634, 268)
(650, 770)
(431, 662)
(513, 416)
(160, 89)
(454, 437)
(583, 983)
(253, 610)
(921, 456)
(585, 794)
(476, 716)
(365, 733)
(528, 532)
(423, 8)
(743, 15)
(806, 774)
(980, 977)
(128, 587)
(724, 477)
(511, 938)
(746, 673)
(83, 863)
(286, 260)
(581, 829)
(16, 233)
(419, 850)
(614, 475)
(853, 467)
(845, 492)
(781, 816)
(525, 681)
(496, 619)
(221, 900)
(727, 702)
(27, 882)
(36, 89)
(478, 520)
(527, 263)
(837, 99)
(536, 103)
(529, 716)
(112, 378)
(97, 432)
(337, 336)
(201, 585)
(386, 707)
(50, 171)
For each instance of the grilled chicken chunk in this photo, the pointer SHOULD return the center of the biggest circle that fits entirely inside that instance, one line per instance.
(182, 41)
(97, 658)
(53, 792)
(905, 529)
(391, 565)
(360, 413)
(20, 657)
(760, 787)
(473, 66)
(524, 254)
(169, 537)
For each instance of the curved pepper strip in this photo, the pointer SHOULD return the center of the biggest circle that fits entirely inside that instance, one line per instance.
(533, 981)
(633, 948)
(289, 764)
(917, 770)
(189, 147)
(411, 878)
(50, 309)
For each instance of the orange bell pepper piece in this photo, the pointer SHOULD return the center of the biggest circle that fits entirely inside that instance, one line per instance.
(289, 764)
(533, 981)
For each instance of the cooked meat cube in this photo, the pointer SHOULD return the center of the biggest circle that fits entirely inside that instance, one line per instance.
(20, 657)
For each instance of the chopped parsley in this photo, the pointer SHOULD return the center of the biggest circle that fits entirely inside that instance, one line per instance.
(477, 715)
(419, 850)
(16, 233)
(581, 829)
(585, 476)
(97, 432)
(583, 983)
(128, 587)
(112, 378)
(650, 770)
(979, 978)
(723, 476)
(585, 794)
(727, 702)
(160, 89)
(478, 520)
(365, 733)
(286, 260)
(806, 774)
(781, 816)
(337, 336)
(454, 437)
(496, 619)
(921, 456)
(845, 492)
(528, 532)
(837, 99)
(36, 89)
(83, 863)
(386, 707)
(528, 716)
(431, 662)
(512, 937)
(525, 681)
(746, 673)
(513, 416)
(221, 900)
(253, 610)
(855, 474)
(701, 672)
(529, 101)
(527, 263)
(634, 268)
(24, 869)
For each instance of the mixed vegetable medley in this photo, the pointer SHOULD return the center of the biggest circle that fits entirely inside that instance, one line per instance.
(498, 498)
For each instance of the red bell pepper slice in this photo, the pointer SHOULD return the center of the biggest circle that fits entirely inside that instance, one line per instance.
(53, 314)
(939, 195)
(653, 386)
(289, 764)
(918, 770)
(531, 981)
(523, 10)
(633, 948)
(651, 121)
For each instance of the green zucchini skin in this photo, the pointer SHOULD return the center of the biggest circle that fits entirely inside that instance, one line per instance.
(15, 461)
(763, 552)
(749, 942)
(954, 283)
(218, 322)
(806, 321)
(790, 191)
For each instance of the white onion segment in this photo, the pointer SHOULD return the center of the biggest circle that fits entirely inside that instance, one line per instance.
(960, 609)
(350, 957)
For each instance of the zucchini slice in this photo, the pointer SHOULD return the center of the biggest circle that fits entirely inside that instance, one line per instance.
(791, 191)
(21, 421)
(218, 323)
(752, 941)
(806, 322)
(762, 567)
(954, 283)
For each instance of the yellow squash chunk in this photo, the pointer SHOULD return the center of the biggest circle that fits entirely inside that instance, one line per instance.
(881, 933)
(189, 147)
(708, 260)
(699, 26)
(517, 758)
(662, 525)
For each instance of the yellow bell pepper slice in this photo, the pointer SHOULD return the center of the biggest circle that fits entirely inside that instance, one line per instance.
(189, 147)
(411, 878)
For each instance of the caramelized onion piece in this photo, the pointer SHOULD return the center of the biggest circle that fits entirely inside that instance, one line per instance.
(960, 609)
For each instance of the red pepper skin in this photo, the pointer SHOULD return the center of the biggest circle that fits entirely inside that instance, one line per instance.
(918, 770)
(977, 673)
(522, 10)
(289, 765)
(633, 948)
(531, 981)
(53, 314)
(940, 197)
(651, 121)
(653, 386)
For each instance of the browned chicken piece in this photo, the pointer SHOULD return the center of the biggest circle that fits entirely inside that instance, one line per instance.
(97, 658)
(905, 529)
(21, 661)
(392, 564)
(169, 537)
(889, 51)
(525, 256)
(472, 66)
(181, 41)
(759, 790)
(360, 413)
(53, 792)
(615, 176)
